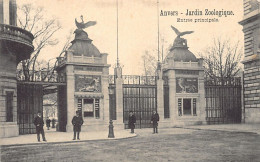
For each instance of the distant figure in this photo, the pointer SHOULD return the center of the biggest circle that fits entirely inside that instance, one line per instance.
(77, 121)
(48, 123)
(39, 123)
(155, 118)
(53, 123)
(132, 121)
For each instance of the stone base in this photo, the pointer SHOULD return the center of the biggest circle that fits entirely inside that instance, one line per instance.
(118, 125)
(165, 124)
(252, 116)
(9, 130)
(90, 128)
(186, 123)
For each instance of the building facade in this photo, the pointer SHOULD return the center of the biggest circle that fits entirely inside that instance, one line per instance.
(251, 29)
(15, 45)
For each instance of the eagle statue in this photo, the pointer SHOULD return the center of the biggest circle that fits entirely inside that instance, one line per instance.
(178, 33)
(180, 42)
(83, 25)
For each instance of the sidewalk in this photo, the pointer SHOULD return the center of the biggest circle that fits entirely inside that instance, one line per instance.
(252, 128)
(64, 137)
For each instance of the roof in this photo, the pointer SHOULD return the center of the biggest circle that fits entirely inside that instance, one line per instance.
(85, 48)
(82, 45)
(181, 54)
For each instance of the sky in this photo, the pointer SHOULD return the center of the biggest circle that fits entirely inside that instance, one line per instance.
(137, 26)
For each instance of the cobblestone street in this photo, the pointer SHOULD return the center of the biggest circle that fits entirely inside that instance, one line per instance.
(169, 145)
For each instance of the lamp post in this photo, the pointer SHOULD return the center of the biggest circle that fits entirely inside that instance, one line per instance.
(111, 129)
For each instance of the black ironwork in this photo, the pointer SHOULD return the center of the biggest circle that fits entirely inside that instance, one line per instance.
(139, 80)
(142, 100)
(235, 81)
(29, 102)
(223, 100)
(41, 76)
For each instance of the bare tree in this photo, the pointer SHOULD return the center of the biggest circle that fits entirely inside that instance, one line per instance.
(33, 20)
(149, 64)
(50, 68)
(222, 59)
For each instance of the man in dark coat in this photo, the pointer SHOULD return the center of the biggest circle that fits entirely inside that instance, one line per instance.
(131, 121)
(77, 121)
(39, 123)
(155, 118)
(53, 123)
(48, 123)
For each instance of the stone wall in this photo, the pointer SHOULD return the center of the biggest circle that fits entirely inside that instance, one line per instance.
(8, 84)
(251, 29)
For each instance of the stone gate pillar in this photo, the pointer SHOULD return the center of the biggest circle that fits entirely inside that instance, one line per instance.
(87, 73)
(119, 123)
(160, 99)
(186, 84)
(71, 109)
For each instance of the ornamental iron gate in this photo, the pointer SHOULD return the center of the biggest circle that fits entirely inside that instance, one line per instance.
(223, 101)
(29, 102)
(139, 96)
(30, 92)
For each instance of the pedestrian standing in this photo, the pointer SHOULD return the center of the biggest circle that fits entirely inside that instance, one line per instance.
(39, 123)
(131, 121)
(154, 119)
(48, 123)
(53, 123)
(77, 121)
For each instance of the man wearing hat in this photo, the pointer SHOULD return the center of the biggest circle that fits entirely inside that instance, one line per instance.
(77, 121)
(39, 123)
(131, 121)
(154, 119)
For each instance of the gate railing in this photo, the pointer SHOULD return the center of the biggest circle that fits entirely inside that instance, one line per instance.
(234, 81)
(223, 100)
(140, 80)
(41, 76)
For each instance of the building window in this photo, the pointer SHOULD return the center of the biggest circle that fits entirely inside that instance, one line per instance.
(88, 108)
(179, 106)
(97, 108)
(9, 106)
(80, 106)
(187, 106)
(194, 107)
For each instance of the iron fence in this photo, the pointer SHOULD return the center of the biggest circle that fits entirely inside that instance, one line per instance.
(40, 76)
(223, 100)
(139, 80)
(142, 100)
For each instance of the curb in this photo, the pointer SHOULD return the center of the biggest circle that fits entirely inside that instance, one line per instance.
(60, 142)
(237, 131)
